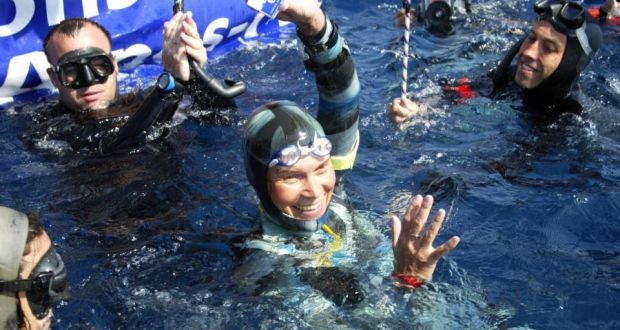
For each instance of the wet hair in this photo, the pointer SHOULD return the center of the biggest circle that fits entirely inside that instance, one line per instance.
(70, 27)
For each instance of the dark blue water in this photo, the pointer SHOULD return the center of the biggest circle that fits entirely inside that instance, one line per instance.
(148, 236)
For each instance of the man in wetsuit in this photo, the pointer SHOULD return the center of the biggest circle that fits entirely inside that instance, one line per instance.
(550, 58)
(85, 72)
(32, 274)
(92, 88)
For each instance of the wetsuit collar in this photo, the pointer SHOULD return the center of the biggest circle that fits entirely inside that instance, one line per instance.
(293, 225)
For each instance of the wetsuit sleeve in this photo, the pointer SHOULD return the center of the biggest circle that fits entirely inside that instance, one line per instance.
(328, 57)
(157, 107)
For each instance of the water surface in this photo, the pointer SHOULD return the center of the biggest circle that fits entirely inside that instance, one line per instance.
(147, 236)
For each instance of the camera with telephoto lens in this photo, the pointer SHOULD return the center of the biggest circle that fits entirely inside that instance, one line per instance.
(437, 13)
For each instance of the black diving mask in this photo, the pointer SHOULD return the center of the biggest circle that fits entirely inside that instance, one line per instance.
(567, 17)
(84, 67)
(46, 285)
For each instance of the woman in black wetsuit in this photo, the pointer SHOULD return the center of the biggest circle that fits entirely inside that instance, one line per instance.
(296, 164)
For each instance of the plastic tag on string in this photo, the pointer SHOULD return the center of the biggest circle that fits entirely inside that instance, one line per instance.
(267, 7)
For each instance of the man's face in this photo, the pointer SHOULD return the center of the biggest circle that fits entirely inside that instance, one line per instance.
(539, 55)
(94, 97)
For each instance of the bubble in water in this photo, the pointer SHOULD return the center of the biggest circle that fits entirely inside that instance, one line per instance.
(57, 146)
(580, 199)
(163, 295)
(140, 292)
(424, 160)
(616, 86)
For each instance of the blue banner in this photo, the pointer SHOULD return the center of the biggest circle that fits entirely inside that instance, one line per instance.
(135, 25)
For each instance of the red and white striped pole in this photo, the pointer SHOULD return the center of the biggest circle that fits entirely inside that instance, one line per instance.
(403, 87)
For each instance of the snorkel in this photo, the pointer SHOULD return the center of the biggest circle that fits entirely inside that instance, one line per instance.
(230, 90)
(161, 104)
(270, 130)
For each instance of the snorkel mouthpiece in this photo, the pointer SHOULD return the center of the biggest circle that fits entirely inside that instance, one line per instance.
(229, 89)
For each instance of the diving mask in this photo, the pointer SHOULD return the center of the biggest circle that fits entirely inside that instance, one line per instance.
(84, 67)
(46, 284)
(288, 156)
(567, 17)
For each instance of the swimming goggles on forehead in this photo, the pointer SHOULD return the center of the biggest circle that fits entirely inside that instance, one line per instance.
(288, 156)
(568, 17)
(84, 67)
(46, 285)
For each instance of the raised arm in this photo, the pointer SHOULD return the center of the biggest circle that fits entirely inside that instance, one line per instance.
(329, 58)
(180, 39)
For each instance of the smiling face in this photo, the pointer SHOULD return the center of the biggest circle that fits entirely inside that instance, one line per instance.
(539, 55)
(304, 190)
(95, 97)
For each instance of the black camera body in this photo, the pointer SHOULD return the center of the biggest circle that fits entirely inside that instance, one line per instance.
(437, 13)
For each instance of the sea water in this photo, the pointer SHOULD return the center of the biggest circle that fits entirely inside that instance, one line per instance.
(149, 237)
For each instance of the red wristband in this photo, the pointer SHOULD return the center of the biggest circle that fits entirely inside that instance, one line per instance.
(412, 281)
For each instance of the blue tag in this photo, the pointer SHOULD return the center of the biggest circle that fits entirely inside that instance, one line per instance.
(267, 7)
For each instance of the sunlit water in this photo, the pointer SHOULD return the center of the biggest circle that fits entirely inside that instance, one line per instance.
(148, 237)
